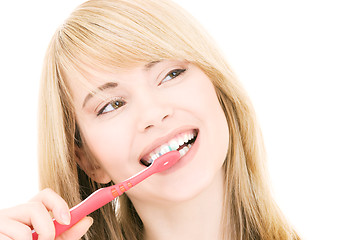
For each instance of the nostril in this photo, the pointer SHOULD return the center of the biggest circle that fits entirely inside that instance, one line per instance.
(152, 118)
(149, 126)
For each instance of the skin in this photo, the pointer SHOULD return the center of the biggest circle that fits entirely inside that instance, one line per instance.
(16, 222)
(155, 108)
(157, 103)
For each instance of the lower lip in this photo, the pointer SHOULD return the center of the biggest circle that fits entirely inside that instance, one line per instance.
(186, 158)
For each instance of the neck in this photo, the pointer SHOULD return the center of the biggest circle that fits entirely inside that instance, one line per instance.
(198, 218)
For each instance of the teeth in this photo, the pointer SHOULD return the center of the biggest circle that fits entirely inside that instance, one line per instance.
(180, 141)
(154, 156)
(172, 145)
(165, 149)
(183, 151)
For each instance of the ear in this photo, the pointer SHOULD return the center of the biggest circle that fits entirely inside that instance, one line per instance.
(90, 166)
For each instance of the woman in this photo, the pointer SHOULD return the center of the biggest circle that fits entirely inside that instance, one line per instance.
(121, 80)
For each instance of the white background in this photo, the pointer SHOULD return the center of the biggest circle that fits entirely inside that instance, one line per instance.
(301, 63)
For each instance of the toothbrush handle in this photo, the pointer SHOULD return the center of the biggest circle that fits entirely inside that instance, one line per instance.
(95, 201)
(104, 195)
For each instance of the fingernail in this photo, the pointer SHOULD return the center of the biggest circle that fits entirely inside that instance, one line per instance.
(90, 221)
(65, 217)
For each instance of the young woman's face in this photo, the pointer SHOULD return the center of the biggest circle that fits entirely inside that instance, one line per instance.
(131, 114)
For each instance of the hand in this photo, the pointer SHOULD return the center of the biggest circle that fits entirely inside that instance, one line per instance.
(16, 223)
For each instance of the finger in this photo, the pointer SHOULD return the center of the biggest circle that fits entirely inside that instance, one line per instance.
(53, 202)
(77, 231)
(42, 222)
(11, 229)
(33, 214)
(4, 237)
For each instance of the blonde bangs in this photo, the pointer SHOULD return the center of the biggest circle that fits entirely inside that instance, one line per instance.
(119, 34)
(111, 35)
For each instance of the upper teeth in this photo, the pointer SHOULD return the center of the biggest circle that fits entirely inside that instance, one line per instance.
(172, 145)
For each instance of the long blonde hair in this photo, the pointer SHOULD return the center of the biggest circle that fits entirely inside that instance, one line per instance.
(106, 34)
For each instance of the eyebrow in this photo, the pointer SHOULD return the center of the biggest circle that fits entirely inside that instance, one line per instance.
(149, 65)
(99, 89)
(108, 85)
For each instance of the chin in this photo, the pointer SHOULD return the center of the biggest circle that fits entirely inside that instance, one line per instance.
(187, 186)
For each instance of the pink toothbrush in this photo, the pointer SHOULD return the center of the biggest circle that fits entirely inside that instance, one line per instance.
(104, 195)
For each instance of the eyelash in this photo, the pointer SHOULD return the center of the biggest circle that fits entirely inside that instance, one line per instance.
(120, 102)
(174, 74)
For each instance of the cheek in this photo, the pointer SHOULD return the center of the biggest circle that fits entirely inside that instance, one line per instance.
(215, 123)
(203, 100)
(200, 98)
(197, 94)
(110, 144)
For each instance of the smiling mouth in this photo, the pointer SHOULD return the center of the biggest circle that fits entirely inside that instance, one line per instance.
(181, 142)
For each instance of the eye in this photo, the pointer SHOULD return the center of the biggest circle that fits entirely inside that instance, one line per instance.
(111, 106)
(173, 74)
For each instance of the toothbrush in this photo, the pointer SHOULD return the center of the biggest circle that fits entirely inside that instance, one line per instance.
(105, 195)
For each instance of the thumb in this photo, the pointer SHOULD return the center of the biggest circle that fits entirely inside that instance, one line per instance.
(77, 231)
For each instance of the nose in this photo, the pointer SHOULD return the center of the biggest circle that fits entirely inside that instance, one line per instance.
(153, 111)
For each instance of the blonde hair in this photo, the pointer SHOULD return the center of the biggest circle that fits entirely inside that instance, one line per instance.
(108, 34)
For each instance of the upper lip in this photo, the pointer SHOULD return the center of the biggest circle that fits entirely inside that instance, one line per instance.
(162, 140)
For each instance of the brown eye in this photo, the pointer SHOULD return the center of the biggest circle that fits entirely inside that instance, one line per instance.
(173, 74)
(111, 106)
